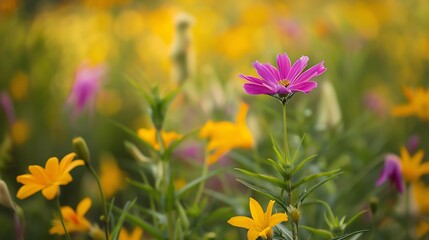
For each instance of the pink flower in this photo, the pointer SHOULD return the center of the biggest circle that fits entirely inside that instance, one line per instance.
(6, 104)
(86, 85)
(392, 172)
(284, 81)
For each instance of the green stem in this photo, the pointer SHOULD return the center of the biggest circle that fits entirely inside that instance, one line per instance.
(104, 218)
(202, 184)
(285, 144)
(61, 218)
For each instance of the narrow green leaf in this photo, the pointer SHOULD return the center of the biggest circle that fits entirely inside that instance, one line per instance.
(277, 182)
(278, 167)
(318, 231)
(276, 149)
(178, 232)
(350, 235)
(306, 193)
(144, 187)
(301, 164)
(352, 219)
(314, 176)
(296, 150)
(196, 181)
(117, 228)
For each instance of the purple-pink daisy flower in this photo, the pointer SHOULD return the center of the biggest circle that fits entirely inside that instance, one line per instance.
(285, 80)
(391, 172)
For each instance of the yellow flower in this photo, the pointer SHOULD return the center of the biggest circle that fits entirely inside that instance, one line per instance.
(224, 136)
(412, 170)
(262, 223)
(420, 196)
(418, 104)
(47, 179)
(74, 221)
(111, 177)
(149, 135)
(135, 235)
(422, 229)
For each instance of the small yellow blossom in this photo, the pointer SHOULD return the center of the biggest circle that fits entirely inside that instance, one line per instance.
(149, 135)
(261, 224)
(418, 104)
(420, 196)
(135, 235)
(111, 177)
(224, 136)
(412, 169)
(47, 179)
(74, 221)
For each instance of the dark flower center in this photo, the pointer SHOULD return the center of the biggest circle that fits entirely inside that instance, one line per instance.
(284, 82)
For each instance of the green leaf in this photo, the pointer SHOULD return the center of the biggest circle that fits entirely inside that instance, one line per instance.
(145, 188)
(318, 231)
(196, 181)
(314, 176)
(306, 193)
(178, 232)
(278, 167)
(277, 182)
(296, 150)
(264, 192)
(301, 164)
(276, 149)
(352, 219)
(117, 228)
(350, 235)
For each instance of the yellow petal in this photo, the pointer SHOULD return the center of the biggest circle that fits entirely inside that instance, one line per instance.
(28, 190)
(50, 192)
(52, 168)
(67, 159)
(57, 228)
(417, 158)
(242, 114)
(243, 222)
(27, 179)
(403, 110)
(277, 218)
(424, 168)
(405, 156)
(137, 233)
(257, 212)
(252, 234)
(74, 164)
(267, 214)
(214, 157)
(64, 179)
(39, 173)
(83, 206)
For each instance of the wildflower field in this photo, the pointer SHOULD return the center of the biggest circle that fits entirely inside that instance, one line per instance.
(189, 120)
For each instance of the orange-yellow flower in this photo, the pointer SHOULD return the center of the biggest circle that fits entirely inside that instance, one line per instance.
(149, 135)
(412, 168)
(418, 104)
(74, 221)
(135, 235)
(47, 179)
(225, 136)
(112, 179)
(261, 224)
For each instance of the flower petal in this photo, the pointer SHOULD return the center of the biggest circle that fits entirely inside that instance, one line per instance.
(268, 212)
(277, 218)
(28, 190)
(257, 212)
(254, 89)
(83, 206)
(265, 73)
(39, 173)
(73, 165)
(312, 72)
(305, 87)
(283, 62)
(252, 79)
(66, 160)
(52, 168)
(273, 71)
(297, 68)
(243, 222)
(252, 234)
(50, 192)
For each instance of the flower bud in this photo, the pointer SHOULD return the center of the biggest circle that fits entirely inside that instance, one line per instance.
(81, 150)
(294, 214)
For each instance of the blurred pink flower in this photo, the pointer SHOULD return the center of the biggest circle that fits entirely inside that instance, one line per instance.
(86, 85)
(6, 104)
(392, 172)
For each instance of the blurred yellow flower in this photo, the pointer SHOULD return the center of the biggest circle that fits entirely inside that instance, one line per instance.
(149, 135)
(420, 195)
(224, 136)
(111, 177)
(179, 183)
(19, 131)
(74, 221)
(422, 229)
(135, 235)
(47, 179)
(261, 224)
(19, 86)
(418, 104)
(412, 168)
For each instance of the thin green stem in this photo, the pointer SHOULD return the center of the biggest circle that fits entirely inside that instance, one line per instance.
(202, 184)
(61, 217)
(104, 218)
(285, 143)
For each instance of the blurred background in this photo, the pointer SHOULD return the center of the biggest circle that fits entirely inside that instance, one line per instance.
(372, 50)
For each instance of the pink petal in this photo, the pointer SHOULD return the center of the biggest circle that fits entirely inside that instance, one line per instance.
(312, 72)
(283, 62)
(252, 79)
(297, 68)
(255, 89)
(264, 72)
(273, 71)
(305, 87)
